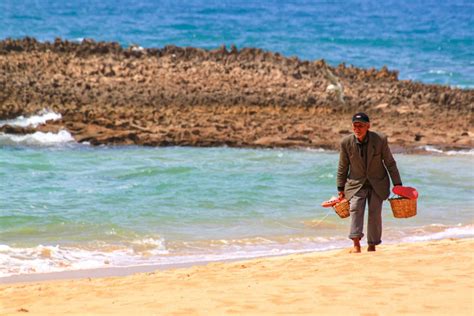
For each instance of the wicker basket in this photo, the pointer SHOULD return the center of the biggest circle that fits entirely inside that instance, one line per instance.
(342, 209)
(403, 207)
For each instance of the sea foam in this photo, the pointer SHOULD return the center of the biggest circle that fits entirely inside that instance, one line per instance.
(149, 251)
(55, 258)
(466, 231)
(154, 251)
(34, 120)
(37, 138)
(433, 149)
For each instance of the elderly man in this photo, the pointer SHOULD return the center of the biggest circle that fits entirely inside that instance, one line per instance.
(362, 177)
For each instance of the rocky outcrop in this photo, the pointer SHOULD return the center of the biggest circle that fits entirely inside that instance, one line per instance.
(189, 96)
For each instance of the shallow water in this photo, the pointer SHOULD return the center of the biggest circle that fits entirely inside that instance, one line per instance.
(74, 206)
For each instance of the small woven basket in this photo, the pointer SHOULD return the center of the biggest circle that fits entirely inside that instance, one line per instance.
(403, 207)
(342, 209)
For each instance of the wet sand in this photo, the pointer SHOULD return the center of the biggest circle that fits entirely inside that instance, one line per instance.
(429, 278)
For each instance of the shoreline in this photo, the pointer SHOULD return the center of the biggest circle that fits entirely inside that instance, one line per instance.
(117, 271)
(18, 131)
(428, 150)
(401, 279)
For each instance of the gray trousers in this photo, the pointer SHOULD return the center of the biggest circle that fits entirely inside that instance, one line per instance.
(357, 209)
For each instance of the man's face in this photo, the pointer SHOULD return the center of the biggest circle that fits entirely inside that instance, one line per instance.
(360, 129)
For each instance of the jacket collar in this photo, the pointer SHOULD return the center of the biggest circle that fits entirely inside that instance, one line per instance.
(370, 149)
(364, 141)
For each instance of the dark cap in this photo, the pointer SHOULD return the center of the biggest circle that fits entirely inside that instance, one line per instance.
(360, 117)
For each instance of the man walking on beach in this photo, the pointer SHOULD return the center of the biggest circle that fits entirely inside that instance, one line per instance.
(362, 177)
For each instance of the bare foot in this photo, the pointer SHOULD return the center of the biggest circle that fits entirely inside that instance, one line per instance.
(371, 248)
(355, 249)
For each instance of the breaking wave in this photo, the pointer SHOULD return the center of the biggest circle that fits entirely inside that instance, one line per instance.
(37, 138)
(433, 149)
(34, 120)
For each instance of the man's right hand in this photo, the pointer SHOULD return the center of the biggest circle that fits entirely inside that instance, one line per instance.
(340, 195)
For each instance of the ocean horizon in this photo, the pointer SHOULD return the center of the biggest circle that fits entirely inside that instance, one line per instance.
(427, 41)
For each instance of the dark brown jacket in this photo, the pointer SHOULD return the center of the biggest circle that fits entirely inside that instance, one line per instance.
(352, 174)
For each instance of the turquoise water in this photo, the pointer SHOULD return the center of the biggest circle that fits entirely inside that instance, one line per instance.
(74, 206)
(429, 40)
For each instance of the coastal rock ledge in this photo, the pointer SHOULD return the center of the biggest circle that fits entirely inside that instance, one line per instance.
(108, 94)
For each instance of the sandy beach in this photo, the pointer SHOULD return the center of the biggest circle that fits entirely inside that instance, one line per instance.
(429, 278)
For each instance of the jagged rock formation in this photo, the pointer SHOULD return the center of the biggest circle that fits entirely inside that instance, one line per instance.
(191, 96)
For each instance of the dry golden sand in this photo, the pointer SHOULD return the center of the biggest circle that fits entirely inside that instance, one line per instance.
(435, 278)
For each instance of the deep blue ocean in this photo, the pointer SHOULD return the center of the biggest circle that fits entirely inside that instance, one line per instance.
(429, 40)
